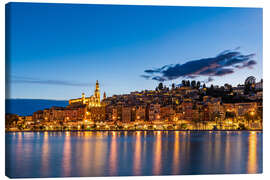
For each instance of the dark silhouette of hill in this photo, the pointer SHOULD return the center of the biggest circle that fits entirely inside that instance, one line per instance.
(25, 107)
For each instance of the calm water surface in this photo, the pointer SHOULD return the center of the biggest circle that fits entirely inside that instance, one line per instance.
(117, 153)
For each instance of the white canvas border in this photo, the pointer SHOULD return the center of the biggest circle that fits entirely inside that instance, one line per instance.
(221, 3)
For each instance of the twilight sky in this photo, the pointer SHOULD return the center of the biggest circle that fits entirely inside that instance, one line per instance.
(58, 51)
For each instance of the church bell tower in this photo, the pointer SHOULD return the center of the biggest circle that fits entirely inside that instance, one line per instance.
(97, 93)
(104, 96)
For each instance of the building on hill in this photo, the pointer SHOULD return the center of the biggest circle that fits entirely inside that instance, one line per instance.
(92, 101)
(126, 114)
(153, 112)
(259, 86)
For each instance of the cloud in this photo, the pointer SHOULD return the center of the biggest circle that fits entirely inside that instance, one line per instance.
(223, 72)
(224, 63)
(158, 78)
(30, 80)
(248, 64)
(209, 80)
(145, 76)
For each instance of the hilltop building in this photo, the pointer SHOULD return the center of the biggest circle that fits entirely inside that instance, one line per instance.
(92, 101)
(192, 108)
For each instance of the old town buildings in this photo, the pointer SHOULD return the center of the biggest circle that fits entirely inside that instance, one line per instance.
(181, 107)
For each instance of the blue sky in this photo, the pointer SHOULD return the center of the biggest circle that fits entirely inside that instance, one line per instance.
(58, 51)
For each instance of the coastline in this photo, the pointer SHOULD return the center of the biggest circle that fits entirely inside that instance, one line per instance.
(259, 130)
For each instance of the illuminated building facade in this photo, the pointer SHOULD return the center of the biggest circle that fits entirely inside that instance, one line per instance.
(126, 114)
(156, 109)
(92, 101)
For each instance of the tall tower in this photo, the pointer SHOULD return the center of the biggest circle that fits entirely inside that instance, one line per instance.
(104, 96)
(97, 93)
(83, 98)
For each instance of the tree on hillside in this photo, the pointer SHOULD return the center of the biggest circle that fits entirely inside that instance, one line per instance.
(11, 120)
(173, 86)
(184, 83)
(193, 84)
(198, 84)
(160, 86)
(188, 83)
(230, 115)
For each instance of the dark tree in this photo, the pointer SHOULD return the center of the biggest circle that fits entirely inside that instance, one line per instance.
(188, 83)
(194, 106)
(230, 115)
(184, 83)
(11, 119)
(193, 84)
(198, 84)
(160, 86)
(173, 86)
(204, 86)
(228, 87)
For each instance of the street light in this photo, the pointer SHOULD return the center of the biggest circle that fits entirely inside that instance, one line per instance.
(252, 113)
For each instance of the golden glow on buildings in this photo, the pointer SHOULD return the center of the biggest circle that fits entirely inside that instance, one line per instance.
(152, 110)
(92, 101)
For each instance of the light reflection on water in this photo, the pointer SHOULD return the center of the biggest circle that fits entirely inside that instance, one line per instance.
(56, 154)
(157, 153)
(137, 154)
(45, 153)
(252, 149)
(113, 155)
(66, 160)
(176, 152)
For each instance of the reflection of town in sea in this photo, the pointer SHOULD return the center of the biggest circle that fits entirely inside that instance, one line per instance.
(188, 106)
(121, 153)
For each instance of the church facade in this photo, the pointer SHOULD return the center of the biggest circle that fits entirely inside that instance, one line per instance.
(92, 101)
